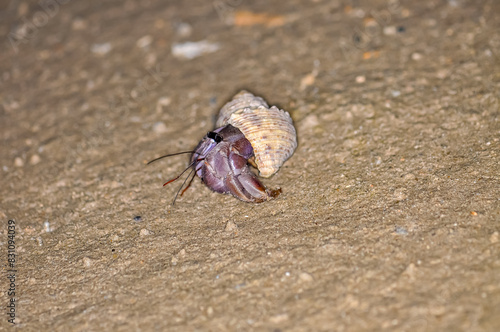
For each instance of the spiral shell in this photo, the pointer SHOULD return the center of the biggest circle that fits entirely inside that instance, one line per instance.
(269, 130)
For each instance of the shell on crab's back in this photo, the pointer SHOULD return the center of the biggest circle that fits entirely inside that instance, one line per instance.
(271, 133)
(269, 130)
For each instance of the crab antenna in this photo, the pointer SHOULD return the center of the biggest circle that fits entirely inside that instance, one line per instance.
(168, 155)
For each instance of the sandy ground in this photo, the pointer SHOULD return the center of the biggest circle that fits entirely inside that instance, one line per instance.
(390, 214)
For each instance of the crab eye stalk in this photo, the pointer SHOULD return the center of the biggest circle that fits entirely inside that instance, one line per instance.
(216, 137)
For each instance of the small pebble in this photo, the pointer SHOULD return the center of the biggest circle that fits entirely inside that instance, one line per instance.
(183, 30)
(494, 237)
(79, 24)
(307, 80)
(145, 232)
(18, 162)
(409, 177)
(162, 102)
(35, 159)
(46, 226)
(400, 194)
(160, 128)
(87, 262)
(174, 260)
(410, 271)
(310, 122)
(395, 93)
(306, 277)
(390, 30)
(416, 56)
(279, 318)
(230, 226)
(144, 41)
(101, 49)
(191, 50)
(360, 79)
(137, 218)
(401, 231)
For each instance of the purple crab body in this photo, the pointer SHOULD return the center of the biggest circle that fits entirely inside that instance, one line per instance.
(221, 161)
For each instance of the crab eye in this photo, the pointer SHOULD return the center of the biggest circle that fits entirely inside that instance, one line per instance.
(216, 137)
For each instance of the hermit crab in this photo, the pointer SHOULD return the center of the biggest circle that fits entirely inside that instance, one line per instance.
(248, 132)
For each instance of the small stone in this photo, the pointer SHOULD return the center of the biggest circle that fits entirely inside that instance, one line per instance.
(401, 231)
(494, 237)
(230, 226)
(360, 79)
(279, 318)
(145, 232)
(35, 159)
(144, 41)
(341, 156)
(307, 80)
(210, 311)
(79, 24)
(390, 30)
(101, 49)
(160, 128)
(191, 50)
(183, 30)
(87, 262)
(409, 177)
(305, 277)
(410, 271)
(137, 218)
(18, 162)
(162, 102)
(400, 194)
(395, 93)
(416, 56)
(46, 226)
(310, 122)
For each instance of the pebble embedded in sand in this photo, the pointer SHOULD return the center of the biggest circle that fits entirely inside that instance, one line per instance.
(87, 262)
(494, 237)
(101, 49)
(160, 128)
(191, 50)
(230, 226)
(35, 159)
(306, 277)
(145, 232)
(144, 41)
(18, 162)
